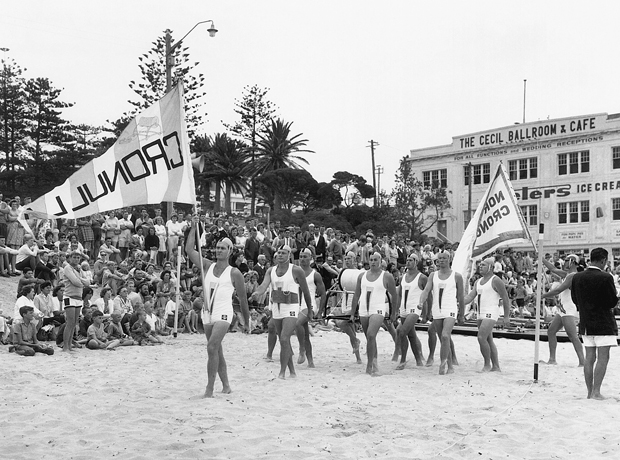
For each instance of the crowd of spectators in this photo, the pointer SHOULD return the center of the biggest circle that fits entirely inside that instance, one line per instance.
(131, 256)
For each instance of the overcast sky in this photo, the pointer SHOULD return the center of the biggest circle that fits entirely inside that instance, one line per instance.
(407, 74)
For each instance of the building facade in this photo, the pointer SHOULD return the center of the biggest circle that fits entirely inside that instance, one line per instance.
(565, 173)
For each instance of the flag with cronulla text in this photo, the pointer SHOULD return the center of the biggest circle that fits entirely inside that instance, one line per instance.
(149, 164)
(498, 222)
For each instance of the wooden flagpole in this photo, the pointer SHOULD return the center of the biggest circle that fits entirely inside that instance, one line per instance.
(539, 278)
(178, 286)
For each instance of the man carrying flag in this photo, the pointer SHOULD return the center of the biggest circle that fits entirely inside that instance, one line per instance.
(497, 222)
(489, 290)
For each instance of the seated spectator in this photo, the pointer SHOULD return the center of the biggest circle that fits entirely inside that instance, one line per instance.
(161, 328)
(256, 326)
(165, 288)
(104, 303)
(123, 305)
(28, 279)
(26, 299)
(57, 296)
(98, 267)
(44, 270)
(84, 324)
(6, 253)
(141, 332)
(169, 314)
(25, 341)
(115, 331)
(112, 278)
(44, 302)
(186, 309)
(97, 336)
(5, 328)
(86, 272)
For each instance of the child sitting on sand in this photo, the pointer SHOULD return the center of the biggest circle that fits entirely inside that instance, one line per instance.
(161, 328)
(97, 337)
(84, 324)
(25, 341)
(141, 331)
(115, 331)
(256, 322)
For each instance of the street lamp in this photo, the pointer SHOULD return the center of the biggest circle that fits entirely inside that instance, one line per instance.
(170, 61)
(170, 49)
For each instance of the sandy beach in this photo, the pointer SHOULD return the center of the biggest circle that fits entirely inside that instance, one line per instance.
(144, 402)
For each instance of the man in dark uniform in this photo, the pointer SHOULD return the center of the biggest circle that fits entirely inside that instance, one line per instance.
(594, 293)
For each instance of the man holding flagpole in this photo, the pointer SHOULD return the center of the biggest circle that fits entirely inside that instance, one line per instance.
(489, 290)
(220, 282)
(448, 307)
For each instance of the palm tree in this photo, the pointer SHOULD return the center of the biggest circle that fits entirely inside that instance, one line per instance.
(276, 149)
(227, 163)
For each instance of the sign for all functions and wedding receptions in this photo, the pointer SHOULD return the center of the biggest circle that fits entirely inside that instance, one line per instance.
(149, 163)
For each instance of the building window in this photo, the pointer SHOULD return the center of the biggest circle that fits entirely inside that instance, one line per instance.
(615, 154)
(481, 173)
(615, 208)
(574, 212)
(574, 162)
(526, 168)
(437, 178)
(530, 214)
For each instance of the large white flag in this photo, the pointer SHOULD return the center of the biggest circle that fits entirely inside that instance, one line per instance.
(149, 163)
(498, 221)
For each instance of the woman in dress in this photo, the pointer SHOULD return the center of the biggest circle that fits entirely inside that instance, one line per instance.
(104, 303)
(151, 244)
(175, 230)
(165, 288)
(112, 228)
(15, 233)
(162, 233)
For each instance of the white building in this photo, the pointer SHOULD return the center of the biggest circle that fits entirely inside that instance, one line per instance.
(565, 173)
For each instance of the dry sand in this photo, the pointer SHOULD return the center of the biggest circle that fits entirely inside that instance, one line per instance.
(143, 402)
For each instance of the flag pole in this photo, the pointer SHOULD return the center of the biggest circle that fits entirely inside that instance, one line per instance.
(541, 232)
(202, 268)
(178, 287)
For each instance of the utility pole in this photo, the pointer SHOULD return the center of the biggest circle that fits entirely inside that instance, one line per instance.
(524, 88)
(374, 182)
(379, 170)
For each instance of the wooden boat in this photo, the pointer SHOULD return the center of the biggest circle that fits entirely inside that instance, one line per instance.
(519, 332)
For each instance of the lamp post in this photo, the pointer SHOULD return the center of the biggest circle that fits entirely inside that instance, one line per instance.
(170, 62)
(171, 48)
